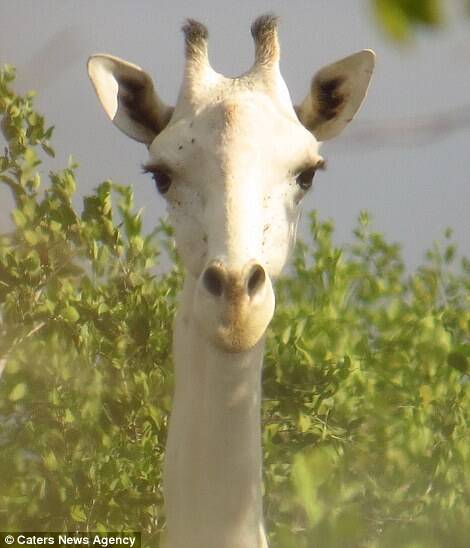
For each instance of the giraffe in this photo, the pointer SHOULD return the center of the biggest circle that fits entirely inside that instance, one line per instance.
(233, 160)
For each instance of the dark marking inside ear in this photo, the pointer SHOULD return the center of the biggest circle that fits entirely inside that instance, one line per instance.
(132, 97)
(132, 86)
(329, 97)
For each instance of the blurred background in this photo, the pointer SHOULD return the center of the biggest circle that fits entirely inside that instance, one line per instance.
(404, 158)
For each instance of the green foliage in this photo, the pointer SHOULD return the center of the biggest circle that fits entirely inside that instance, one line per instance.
(399, 19)
(367, 398)
(85, 341)
(366, 380)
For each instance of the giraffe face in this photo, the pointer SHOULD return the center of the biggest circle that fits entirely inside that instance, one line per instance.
(233, 160)
(235, 174)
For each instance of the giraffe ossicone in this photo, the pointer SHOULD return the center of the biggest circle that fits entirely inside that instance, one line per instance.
(233, 159)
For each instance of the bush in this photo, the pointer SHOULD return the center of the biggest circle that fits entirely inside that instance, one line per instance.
(366, 386)
(85, 336)
(368, 395)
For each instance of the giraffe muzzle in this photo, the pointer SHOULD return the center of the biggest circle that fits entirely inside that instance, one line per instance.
(235, 306)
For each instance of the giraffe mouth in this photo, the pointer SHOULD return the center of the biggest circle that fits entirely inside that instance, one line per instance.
(239, 332)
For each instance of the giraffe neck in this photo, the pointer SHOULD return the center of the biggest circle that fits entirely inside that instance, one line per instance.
(212, 476)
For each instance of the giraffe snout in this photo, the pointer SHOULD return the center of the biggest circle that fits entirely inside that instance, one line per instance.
(234, 306)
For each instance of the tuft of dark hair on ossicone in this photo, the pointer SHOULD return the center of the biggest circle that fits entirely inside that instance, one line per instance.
(196, 35)
(264, 32)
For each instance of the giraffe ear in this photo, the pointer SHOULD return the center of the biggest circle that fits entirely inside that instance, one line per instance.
(336, 93)
(128, 97)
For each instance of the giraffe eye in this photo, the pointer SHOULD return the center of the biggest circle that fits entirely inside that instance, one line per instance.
(162, 181)
(161, 177)
(305, 179)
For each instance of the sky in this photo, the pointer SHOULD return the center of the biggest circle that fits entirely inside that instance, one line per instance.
(413, 183)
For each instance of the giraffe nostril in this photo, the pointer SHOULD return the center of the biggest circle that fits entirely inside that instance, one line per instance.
(256, 279)
(214, 280)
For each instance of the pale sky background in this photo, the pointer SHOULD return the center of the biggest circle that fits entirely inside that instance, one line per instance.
(413, 187)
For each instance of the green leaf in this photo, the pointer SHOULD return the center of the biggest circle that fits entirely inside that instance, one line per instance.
(71, 314)
(19, 218)
(399, 18)
(18, 392)
(50, 461)
(48, 149)
(68, 417)
(31, 237)
(78, 514)
(458, 361)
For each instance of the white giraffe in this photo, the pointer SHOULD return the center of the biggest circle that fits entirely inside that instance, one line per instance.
(233, 159)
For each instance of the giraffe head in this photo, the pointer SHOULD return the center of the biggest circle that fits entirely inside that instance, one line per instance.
(233, 159)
